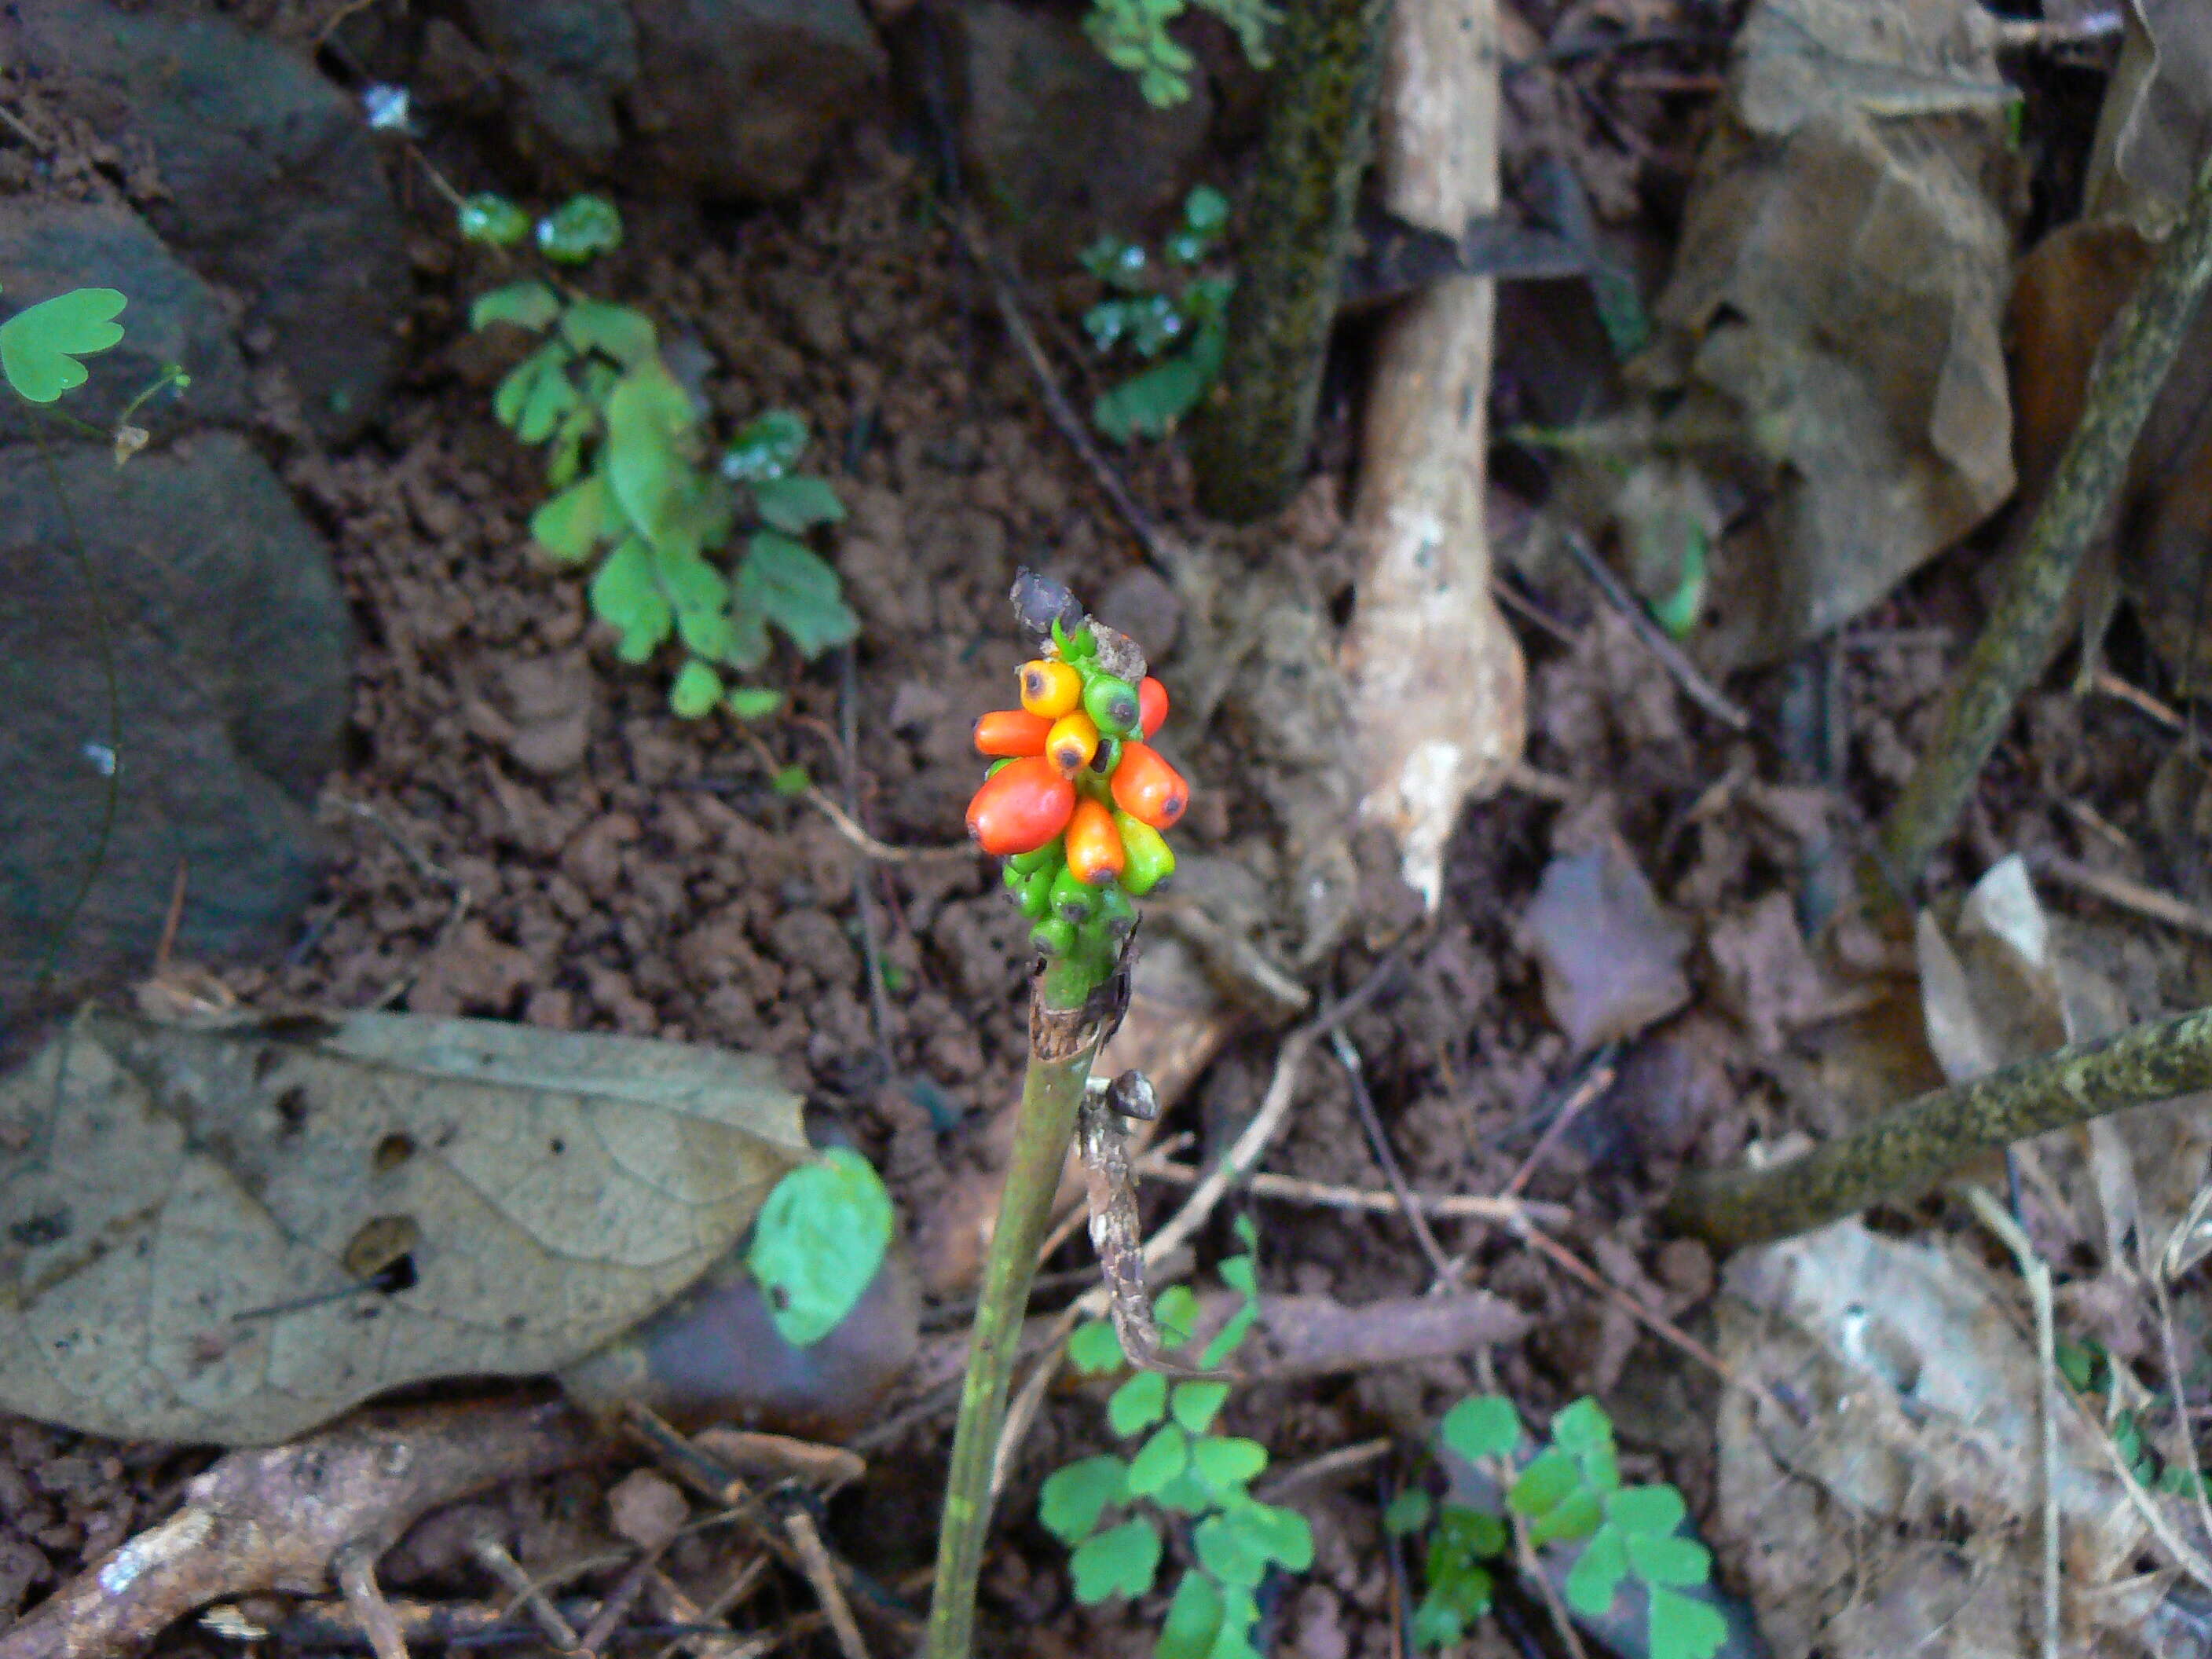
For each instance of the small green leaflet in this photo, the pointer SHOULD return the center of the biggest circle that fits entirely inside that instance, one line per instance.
(533, 398)
(1138, 1404)
(572, 523)
(1228, 1462)
(1159, 1461)
(1481, 1425)
(1195, 1404)
(1120, 1561)
(617, 332)
(1409, 1511)
(754, 703)
(1075, 1497)
(39, 345)
(492, 219)
(697, 690)
(818, 1243)
(797, 502)
(625, 595)
(527, 305)
(1682, 1628)
(579, 228)
(1194, 1621)
(1094, 1349)
(765, 448)
(793, 587)
(647, 414)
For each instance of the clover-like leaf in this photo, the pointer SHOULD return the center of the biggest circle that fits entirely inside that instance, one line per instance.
(797, 502)
(1228, 1462)
(697, 689)
(490, 218)
(527, 305)
(1437, 1623)
(536, 394)
(1074, 1498)
(1596, 1576)
(1682, 1628)
(1669, 1560)
(1409, 1512)
(617, 332)
(1654, 1509)
(1481, 1425)
(1150, 403)
(1285, 1535)
(793, 587)
(1193, 1622)
(1553, 1495)
(1137, 1403)
(580, 228)
(1094, 1349)
(1159, 1460)
(755, 703)
(1120, 1561)
(1195, 1404)
(39, 345)
(626, 595)
(765, 448)
(573, 523)
(819, 1241)
(1232, 1554)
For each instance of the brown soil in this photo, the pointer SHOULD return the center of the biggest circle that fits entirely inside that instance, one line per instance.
(628, 871)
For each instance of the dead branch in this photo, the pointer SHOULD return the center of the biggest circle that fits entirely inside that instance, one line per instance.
(283, 1517)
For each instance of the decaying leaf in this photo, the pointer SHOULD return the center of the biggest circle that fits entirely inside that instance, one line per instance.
(1895, 1517)
(1830, 327)
(2155, 128)
(233, 1233)
(1611, 958)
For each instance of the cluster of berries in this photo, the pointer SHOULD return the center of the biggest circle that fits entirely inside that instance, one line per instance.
(1076, 795)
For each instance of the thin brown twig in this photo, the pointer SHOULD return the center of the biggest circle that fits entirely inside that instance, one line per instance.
(1157, 545)
(1594, 1084)
(2107, 683)
(1701, 691)
(2125, 894)
(1378, 1139)
(822, 1574)
(612, 1612)
(492, 1555)
(1442, 1206)
(843, 823)
(355, 1569)
(2176, 1377)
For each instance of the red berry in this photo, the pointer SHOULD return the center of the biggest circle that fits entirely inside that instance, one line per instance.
(1021, 806)
(1147, 788)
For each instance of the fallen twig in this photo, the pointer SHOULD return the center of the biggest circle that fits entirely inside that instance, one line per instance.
(822, 1574)
(1442, 1207)
(492, 1556)
(883, 852)
(281, 1518)
(1446, 1276)
(2115, 890)
(1701, 691)
(2023, 626)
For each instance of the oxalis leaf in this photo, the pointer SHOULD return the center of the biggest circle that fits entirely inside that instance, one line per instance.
(1684, 1629)
(546, 1190)
(1120, 1561)
(39, 345)
(1075, 1497)
(819, 1244)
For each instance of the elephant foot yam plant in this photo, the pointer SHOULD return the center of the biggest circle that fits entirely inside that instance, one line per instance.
(638, 496)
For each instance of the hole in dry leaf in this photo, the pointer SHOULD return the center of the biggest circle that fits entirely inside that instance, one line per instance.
(391, 1152)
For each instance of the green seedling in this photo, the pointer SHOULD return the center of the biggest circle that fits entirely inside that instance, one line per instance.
(1164, 312)
(1114, 1512)
(1569, 1493)
(639, 496)
(1133, 35)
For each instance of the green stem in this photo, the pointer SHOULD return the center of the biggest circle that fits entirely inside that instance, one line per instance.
(1052, 1091)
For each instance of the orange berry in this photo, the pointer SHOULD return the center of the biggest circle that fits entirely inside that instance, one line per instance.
(1094, 845)
(1147, 788)
(1011, 732)
(1072, 742)
(1050, 689)
(1021, 806)
(1151, 707)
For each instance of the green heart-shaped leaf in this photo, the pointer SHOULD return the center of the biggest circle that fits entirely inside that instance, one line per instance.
(39, 345)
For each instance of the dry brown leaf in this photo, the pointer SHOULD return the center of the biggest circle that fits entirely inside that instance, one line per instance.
(1833, 313)
(2155, 128)
(1611, 957)
(232, 1234)
(1893, 1518)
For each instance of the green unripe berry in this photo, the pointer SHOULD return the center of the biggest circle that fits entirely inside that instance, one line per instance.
(1116, 915)
(1112, 704)
(1053, 852)
(1147, 860)
(1036, 893)
(1072, 898)
(1053, 937)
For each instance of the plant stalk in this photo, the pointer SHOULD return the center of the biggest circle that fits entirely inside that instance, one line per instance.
(2016, 643)
(1910, 1147)
(1062, 1044)
(1251, 437)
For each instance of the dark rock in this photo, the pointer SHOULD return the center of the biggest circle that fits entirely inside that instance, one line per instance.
(736, 97)
(48, 247)
(1061, 140)
(214, 603)
(571, 60)
(273, 185)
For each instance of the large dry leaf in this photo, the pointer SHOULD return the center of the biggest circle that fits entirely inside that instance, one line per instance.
(2155, 128)
(233, 1234)
(1831, 328)
(1898, 1515)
